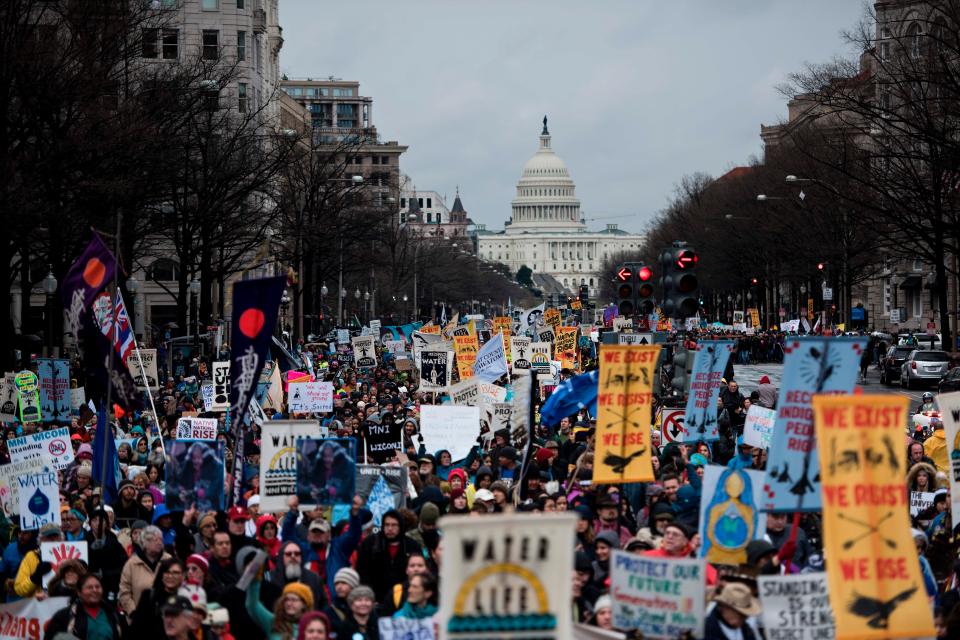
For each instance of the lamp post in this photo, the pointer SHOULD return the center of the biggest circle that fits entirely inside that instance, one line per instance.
(342, 302)
(50, 288)
(194, 293)
(285, 300)
(405, 309)
(366, 304)
(323, 294)
(133, 286)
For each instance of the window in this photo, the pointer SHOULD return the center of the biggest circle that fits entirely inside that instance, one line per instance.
(885, 44)
(210, 5)
(240, 4)
(164, 269)
(420, 204)
(211, 44)
(242, 48)
(171, 44)
(211, 99)
(403, 203)
(429, 217)
(429, 203)
(913, 40)
(242, 97)
(151, 38)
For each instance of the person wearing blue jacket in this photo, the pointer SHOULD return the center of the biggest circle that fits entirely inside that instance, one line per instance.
(322, 551)
(13, 556)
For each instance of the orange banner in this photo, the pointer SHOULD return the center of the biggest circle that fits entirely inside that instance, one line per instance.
(875, 584)
(430, 328)
(623, 413)
(551, 318)
(565, 345)
(466, 348)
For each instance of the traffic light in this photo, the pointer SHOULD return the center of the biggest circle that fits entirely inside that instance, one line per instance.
(682, 369)
(623, 278)
(680, 283)
(584, 294)
(645, 290)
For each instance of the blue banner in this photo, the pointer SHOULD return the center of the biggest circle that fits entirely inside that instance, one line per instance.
(54, 378)
(700, 417)
(812, 365)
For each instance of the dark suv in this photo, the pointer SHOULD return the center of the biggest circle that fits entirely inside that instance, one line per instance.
(891, 363)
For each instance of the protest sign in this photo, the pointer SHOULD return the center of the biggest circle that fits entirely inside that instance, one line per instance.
(28, 618)
(659, 597)
(197, 429)
(28, 394)
(620, 323)
(466, 348)
(450, 427)
(796, 607)
(544, 334)
(491, 360)
(8, 398)
(194, 474)
(206, 393)
(949, 404)
(221, 386)
(278, 460)
(920, 501)
(375, 328)
(494, 416)
(812, 365)
(78, 398)
(365, 352)
(385, 487)
(551, 318)
(520, 352)
(394, 346)
(381, 440)
(406, 628)
(540, 356)
(310, 397)
(436, 369)
(530, 318)
(492, 391)
(39, 500)
(53, 447)
(758, 427)
(464, 393)
(506, 587)
(10, 488)
(343, 336)
(623, 413)
(57, 552)
(709, 363)
(54, 375)
(566, 346)
(149, 359)
(326, 471)
(729, 515)
(875, 583)
(502, 324)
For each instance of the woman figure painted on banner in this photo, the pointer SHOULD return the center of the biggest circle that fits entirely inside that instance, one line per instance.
(325, 475)
(731, 519)
(200, 479)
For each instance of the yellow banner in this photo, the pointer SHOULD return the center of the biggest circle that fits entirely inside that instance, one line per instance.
(551, 318)
(755, 317)
(466, 348)
(810, 309)
(502, 323)
(565, 346)
(576, 305)
(875, 585)
(623, 413)
(430, 328)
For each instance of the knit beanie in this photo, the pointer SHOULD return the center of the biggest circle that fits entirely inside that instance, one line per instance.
(363, 591)
(300, 590)
(347, 576)
(429, 514)
(200, 561)
(209, 518)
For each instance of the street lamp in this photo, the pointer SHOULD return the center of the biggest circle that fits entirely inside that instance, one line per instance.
(133, 286)
(50, 288)
(323, 294)
(194, 294)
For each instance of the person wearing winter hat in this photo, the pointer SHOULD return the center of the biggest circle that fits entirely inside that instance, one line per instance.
(603, 613)
(290, 568)
(206, 527)
(218, 621)
(767, 393)
(315, 625)
(126, 507)
(608, 519)
(295, 600)
(429, 514)
(362, 622)
(382, 558)
(337, 610)
(603, 545)
(197, 569)
(267, 536)
(735, 603)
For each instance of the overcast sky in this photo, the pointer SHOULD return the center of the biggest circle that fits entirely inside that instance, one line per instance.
(638, 92)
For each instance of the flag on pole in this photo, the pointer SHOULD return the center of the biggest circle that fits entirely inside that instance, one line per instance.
(105, 453)
(122, 334)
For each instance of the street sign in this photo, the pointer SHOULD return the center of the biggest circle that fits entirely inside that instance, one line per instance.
(894, 315)
(636, 338)
(672, 428)
(828, 293)
(931, 328)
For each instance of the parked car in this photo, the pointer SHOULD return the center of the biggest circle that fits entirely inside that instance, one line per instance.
(923, 367)
(950, 381)
(891, 363)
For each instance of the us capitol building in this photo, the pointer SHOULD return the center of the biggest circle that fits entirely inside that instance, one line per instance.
(546, 232)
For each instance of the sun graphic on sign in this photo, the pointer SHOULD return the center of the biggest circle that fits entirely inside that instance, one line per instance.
(501, 597)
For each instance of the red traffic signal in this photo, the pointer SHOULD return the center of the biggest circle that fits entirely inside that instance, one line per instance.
(820, 266)
(623, 274)
(687, 259)
(753, 281)
(644, 274)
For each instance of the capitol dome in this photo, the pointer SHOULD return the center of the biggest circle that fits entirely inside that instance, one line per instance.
(546, 197)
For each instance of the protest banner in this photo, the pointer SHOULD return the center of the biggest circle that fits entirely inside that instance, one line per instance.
(149, 359)
(381, 441)
(10, 488)
(57, 552)
(659, 597)
(920, 501)
(492, 391)
(365, 352)
(194, 474)
(197, 429)
(310, 397)
(436, 370)
(206, 394)
(53, 447)
(540, 356)
(278, 460)
(375, 329)
(502, 324)
(530, 318)
(624, 414)
(406, 628)
(78, 398)
(520, 352)
(709, 363)
(464, 393)
(39, 500)
(343, 336)
(729, 515)
(54, 376)
(545, 334)
(812, 365)
(466, 348)
(875, 584)
(326, 471)
(385, 487)
(221, 386)
(8, 397)
(758, 427)
(566, 346)
(754, 317)
(494, 416)
(394, 347)
(27, 619)
(620, 323)
(491, 360)
(28, 394)
(515, 586)
(796, 607)
(551, 318)
(449, 427)
(949, 404)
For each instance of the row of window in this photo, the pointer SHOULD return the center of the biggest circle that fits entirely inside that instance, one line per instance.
(318, 92)
(403, 203)
(546, 192)
(165, 44)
